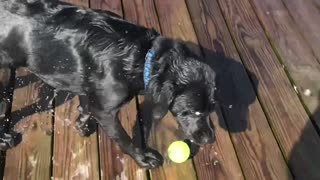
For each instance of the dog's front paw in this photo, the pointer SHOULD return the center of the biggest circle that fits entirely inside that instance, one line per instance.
(9, 140)
(150, 159)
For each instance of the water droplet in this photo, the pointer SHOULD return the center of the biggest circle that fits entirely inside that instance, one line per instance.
(307, 92)
(215, 162)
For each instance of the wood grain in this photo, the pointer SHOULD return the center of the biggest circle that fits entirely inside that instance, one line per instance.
(114, 163)
(84, 3)
(205, 161)
(110, 5)
(306, 16)
(175, 21)
(5, 89)
(285, 113)
(143, 12)
(160, 138)
(316, 3)
(250, 132)
(5, 75)
(294, 51)
(31, 158)
(218, 161)
(74, 157)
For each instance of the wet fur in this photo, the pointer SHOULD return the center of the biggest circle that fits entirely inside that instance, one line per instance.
(97, 54)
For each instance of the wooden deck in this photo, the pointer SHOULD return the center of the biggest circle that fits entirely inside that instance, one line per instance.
(267, 55)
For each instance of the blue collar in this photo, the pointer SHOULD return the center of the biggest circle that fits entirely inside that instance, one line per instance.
(147, 67)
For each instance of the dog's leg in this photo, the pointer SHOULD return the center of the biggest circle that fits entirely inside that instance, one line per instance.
(85, 125)
(110, 123)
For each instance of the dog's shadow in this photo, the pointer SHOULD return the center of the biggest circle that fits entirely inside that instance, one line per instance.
(236, 87)
(46, 100)
(303, 160)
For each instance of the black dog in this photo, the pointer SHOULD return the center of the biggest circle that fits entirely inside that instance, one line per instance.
(98, 54)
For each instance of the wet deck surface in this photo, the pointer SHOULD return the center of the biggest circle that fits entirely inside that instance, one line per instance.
(267, 57)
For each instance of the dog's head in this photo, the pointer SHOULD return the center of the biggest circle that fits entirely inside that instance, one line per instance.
(191, 108)
(184, 85)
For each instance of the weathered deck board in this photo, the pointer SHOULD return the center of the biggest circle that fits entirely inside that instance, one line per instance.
(306, 17)
(84, 3)
(256, 148)
(294, 51)
(31, 158)
(144, 13)
(141, 12)
(160, 139)
(110, 5)
(114, 163)
(316, 3)
(285, 113)
(74, 157)
(5, 76)
(217, 161)
(175, 20)
(250, 132)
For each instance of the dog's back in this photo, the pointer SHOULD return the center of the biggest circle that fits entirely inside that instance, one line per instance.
(67, 43)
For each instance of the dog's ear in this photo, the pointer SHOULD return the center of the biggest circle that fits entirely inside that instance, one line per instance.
(161, 95)
(161, 87)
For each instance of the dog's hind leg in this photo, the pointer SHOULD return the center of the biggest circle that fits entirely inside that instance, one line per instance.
(85, 125)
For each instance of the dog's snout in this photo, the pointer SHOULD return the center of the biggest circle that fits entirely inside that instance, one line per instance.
(207, 140)
(204, 138)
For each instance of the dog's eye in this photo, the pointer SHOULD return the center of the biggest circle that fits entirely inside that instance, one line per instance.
(185, 113)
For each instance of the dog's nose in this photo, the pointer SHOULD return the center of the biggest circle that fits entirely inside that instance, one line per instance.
(204, 138)
(207, 139)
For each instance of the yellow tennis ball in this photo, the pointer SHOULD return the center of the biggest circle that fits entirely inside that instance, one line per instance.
(178, 151)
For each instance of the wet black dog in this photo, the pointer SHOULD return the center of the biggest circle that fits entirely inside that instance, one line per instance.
(99, 55)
